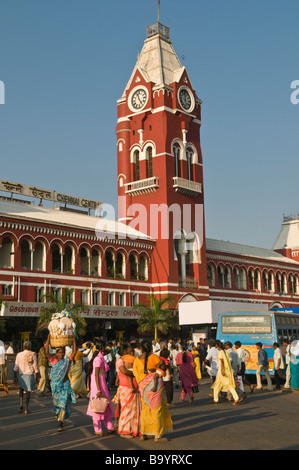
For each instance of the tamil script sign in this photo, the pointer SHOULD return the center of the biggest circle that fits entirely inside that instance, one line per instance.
(33, 309)
(33, 191)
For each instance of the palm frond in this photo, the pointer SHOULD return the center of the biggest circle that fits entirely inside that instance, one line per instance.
(154, 317)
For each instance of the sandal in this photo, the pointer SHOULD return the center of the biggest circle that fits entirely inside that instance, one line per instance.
(161, 439)
(20, 409)
(126, 436)
(99, 434)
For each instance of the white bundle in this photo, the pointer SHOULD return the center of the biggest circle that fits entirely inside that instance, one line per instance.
(61, 324)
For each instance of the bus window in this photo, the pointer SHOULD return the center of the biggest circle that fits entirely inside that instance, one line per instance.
(246, 324)
(279, 336)
(294, 334)
(285, 334)
(290, 335)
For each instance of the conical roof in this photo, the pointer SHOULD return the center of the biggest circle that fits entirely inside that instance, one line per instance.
(289, 233)
(158, 61)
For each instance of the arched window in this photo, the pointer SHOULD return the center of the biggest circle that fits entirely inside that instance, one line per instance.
(136, 165)
(143, 268)
(119, 266)
(189, 156)
(211, 275)
(149, 162)
(176, 150)
(133, 267)
(7, 253)
(56, 258)
(84, 268)
(95, 265)
(25, 255)
(109, 264)
(68, 265)
(39, 258)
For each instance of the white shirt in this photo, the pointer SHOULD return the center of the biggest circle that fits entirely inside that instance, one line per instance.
(173, 356)
(212, 358)
(2, 353)
(242, 354)
(277, 356)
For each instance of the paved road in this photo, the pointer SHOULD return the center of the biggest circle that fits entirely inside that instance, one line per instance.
(264, 421)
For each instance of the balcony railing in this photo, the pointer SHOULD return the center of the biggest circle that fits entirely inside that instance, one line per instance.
(191, 188)
(142, 186)
(157, 28)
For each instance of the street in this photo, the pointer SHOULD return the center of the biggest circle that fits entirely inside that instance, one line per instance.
(264, 421)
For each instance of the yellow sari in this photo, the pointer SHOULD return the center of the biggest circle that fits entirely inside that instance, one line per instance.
(76, 375)
(196, 360)
(155, 417)
(226, 382)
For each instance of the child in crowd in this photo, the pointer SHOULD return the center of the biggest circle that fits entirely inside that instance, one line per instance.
(162, 367)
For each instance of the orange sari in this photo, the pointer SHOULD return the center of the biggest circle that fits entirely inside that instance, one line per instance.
(155, 417)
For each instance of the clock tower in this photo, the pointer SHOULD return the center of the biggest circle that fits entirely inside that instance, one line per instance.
(160, 174)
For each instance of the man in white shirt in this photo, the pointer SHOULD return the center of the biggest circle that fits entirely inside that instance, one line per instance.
(242, 365)
(211, 358)
(156, 346)
(173, 354)
(3, 379)
(278, 366)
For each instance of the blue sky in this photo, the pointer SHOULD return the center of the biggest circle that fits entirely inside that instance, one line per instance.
(65, 64)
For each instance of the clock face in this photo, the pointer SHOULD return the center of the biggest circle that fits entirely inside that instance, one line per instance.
(139, 98)
(185, 99)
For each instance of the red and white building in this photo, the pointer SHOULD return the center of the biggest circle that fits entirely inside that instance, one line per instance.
(158, 244)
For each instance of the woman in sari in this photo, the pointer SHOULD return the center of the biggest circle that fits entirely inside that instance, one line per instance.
(294, 365)
(76, 375)
(196, 359)
(225, 381)
(62, 392)
(129, 424)
(97, 369)
(155, 417)
(188, 375)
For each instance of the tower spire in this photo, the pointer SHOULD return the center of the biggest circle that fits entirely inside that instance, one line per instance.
(158, 11)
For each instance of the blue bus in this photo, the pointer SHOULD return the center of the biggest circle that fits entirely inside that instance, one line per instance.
(264, 326)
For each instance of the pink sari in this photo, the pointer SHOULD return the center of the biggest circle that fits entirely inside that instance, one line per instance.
(187, 374)
(130, 405)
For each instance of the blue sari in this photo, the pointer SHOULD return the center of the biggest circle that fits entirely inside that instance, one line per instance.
(62, 392)
(294, 369)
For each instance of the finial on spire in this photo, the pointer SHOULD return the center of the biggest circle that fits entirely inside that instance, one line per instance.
(158, 11)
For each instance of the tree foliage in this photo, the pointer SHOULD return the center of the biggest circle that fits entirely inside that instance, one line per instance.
(156, 316)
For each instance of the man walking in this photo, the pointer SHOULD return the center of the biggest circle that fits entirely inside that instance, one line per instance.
(262, 365)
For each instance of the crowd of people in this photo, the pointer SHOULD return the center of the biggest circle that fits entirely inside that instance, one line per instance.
(139, 378)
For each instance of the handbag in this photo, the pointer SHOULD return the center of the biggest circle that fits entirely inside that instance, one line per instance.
(195, 389)
(98, 405)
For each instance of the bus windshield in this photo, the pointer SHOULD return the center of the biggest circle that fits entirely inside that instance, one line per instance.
(246, 324)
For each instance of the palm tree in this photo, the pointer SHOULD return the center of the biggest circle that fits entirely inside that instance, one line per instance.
(155, 317)
(58, 304)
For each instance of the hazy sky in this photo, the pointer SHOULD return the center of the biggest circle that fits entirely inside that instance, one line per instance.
(65, 63)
